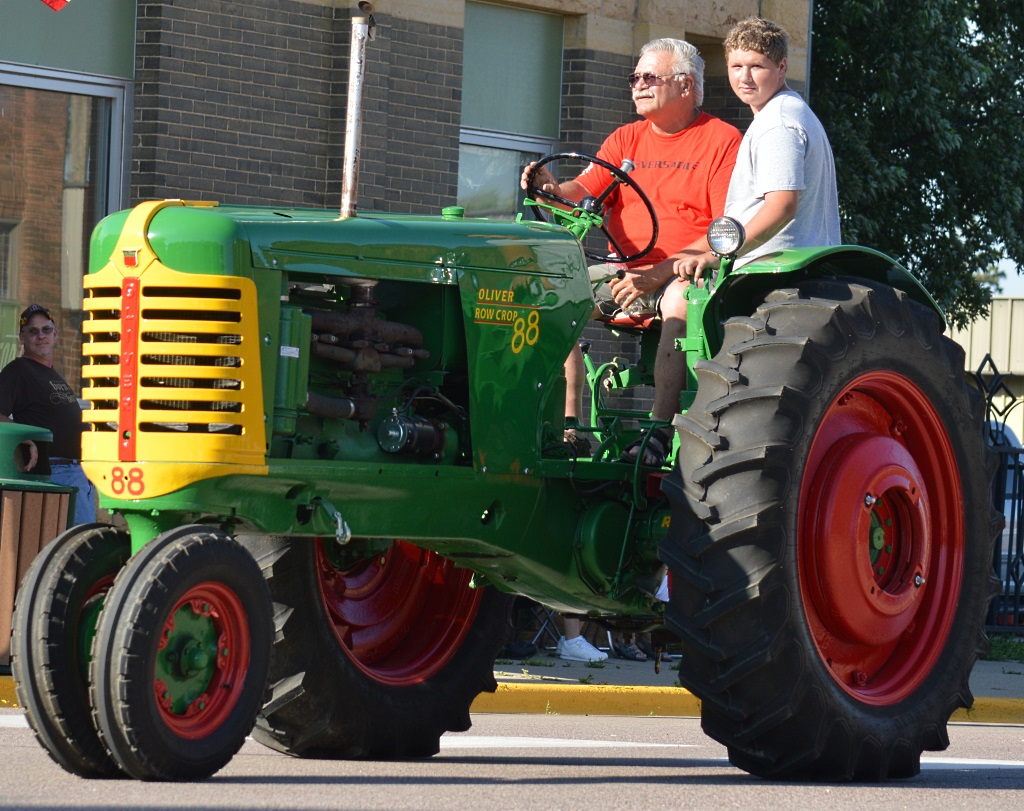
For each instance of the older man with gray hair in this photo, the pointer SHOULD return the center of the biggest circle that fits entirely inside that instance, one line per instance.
(684, 159)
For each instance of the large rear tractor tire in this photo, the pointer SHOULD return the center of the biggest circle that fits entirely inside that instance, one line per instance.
(832, 534)
(181, 656)
(373, 659)
(54, 622)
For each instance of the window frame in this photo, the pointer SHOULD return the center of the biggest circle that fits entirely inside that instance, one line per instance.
(513, 142)
(9, 256)
(508, 140)
(121, 96)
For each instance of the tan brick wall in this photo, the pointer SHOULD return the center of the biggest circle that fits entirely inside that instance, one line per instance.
(621, 26)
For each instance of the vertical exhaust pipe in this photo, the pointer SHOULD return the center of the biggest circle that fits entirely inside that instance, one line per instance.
(362, 32)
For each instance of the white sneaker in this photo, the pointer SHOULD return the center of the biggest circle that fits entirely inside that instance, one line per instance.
(579, 650)
(559, 645)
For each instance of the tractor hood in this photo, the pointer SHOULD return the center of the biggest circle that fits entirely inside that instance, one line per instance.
(227, 240)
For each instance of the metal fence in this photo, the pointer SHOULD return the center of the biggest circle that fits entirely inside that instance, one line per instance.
(1007, 610)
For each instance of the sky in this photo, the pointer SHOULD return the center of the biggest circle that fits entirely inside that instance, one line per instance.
(1013, 282)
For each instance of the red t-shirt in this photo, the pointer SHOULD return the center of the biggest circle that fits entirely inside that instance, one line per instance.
(685, 176)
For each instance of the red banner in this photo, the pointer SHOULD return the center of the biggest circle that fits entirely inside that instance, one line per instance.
(56, 5)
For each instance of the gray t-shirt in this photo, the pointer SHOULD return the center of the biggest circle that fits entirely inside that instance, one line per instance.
(786, 149)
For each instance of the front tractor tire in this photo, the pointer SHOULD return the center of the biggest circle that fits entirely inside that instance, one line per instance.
(181, 656)
(832, 534)
(54, 622)
(375, 658)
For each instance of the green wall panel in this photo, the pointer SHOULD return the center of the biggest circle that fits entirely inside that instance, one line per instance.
(95, 37)
(512, 70)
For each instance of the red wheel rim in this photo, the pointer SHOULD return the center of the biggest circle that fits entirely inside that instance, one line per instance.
(202, 660)
(401, 615)
(880, 538)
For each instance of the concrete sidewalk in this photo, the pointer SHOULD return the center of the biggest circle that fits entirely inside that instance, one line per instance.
(546, 684)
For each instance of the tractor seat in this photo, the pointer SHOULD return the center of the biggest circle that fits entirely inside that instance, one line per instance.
(632, 321)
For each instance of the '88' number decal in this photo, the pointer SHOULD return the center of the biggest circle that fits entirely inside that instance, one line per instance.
(131, 482)
(525, 331)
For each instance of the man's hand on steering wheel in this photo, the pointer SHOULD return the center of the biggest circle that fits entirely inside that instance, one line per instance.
(540, 179)
(550, 190)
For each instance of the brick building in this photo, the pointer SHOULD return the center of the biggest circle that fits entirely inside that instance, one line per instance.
(110, 102)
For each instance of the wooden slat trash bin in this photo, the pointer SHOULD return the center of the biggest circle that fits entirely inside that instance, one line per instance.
(33, 511)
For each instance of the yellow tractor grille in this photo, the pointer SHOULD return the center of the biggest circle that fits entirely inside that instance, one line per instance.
(181, 359)
(173, 354)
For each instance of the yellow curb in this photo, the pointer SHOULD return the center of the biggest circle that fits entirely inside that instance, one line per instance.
(7, 696)
(670, 701)
(992, 711)
(597, 699)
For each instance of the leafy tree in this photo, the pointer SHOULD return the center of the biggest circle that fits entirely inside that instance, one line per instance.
(923, 101)
(992, 277)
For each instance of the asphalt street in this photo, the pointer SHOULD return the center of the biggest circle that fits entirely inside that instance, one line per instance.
(520, 762)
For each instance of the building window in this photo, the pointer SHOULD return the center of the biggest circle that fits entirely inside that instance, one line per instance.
(489, 168)
(7, 260)
(511, 103)
(9, 308)
(63, 167)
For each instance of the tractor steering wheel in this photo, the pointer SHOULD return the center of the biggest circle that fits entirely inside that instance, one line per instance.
(595, 205)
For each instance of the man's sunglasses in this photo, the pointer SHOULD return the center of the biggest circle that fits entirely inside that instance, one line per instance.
(649, 78)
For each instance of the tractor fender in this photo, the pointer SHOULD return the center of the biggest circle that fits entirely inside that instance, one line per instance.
(740, 292)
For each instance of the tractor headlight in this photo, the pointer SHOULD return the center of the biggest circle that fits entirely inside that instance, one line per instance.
(726, 236)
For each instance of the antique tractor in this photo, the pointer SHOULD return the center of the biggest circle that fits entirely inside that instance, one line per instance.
(336, 444)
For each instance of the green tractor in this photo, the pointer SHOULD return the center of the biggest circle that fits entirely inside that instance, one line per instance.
(336, 445)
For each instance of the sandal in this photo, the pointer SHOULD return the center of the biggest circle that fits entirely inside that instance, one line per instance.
(578, 444)
(649, 652)
(629, 651)
(655, 452)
